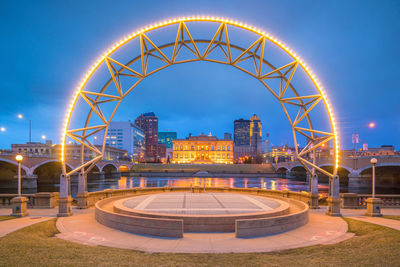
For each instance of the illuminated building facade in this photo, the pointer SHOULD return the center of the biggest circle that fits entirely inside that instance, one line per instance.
(73, 151)
(123, 135)
(202, 149)
(148, 122)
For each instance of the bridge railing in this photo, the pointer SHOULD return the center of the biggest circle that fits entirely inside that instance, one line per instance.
(42, 200)
(358, 201)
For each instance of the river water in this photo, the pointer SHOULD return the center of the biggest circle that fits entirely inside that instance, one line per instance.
(143, 182)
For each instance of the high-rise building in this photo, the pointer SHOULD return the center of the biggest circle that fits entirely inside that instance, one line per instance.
(148, 122)
(123, 135)
(247, 138)
(241, 132)
(227, 136)
(166, 138)
(255, 134)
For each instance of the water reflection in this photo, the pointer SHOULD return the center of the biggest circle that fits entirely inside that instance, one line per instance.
(143, 182)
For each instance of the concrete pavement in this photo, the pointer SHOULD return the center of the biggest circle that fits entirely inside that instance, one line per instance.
(35, 216)
(359, 214)
(321, 229)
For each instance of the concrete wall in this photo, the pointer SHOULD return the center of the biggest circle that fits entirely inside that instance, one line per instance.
(266, 226)
(167, 226)
(138, 225)
(204, 223)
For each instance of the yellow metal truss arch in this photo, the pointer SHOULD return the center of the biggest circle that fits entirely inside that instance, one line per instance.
(219, 41)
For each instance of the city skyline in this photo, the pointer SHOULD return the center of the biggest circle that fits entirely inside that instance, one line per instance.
(373, 37)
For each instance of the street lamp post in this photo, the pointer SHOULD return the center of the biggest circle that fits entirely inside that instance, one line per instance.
(19, 160)
(19, 203)
(373, 203)
(373, 162)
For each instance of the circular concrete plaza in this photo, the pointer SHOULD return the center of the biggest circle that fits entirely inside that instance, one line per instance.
(201, 204)
(86, 229)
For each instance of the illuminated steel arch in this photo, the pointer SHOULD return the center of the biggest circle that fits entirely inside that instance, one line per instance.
(138, 69)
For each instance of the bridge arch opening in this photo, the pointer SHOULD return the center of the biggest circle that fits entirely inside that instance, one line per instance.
(299, 172)
(123, 168)
(109, 169)
(343, 173)
(386, 176)
(282, 170)
(8, 172)
(49, 172)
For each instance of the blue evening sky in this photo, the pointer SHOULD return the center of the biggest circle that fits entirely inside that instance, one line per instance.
(352, 46)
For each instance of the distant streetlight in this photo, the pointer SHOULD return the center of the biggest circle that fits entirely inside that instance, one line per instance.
(356, 135)
(20, 116)
(373, 162)
(19, 159)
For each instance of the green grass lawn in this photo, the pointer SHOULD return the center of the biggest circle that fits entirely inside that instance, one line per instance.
(36, 245)
(4, 218)
(393, 217)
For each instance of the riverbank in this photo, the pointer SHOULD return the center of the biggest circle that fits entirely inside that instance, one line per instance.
(203, 170)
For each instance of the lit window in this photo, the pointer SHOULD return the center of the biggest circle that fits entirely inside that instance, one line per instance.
(229, 148)
(223, 148)
(192, 148)
(228, 156)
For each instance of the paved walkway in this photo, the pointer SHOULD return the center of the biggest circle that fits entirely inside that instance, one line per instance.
(321, 229)
(360, 215)
(83, 228)
(35, 216)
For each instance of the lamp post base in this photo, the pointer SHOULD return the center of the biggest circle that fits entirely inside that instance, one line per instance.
(64, 207)
(314, 199)
(333, 207)
(373, 207)
(82, 200)
(19, 207)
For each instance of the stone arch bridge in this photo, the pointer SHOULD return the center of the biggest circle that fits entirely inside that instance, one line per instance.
(356, 169)
(30, 163)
